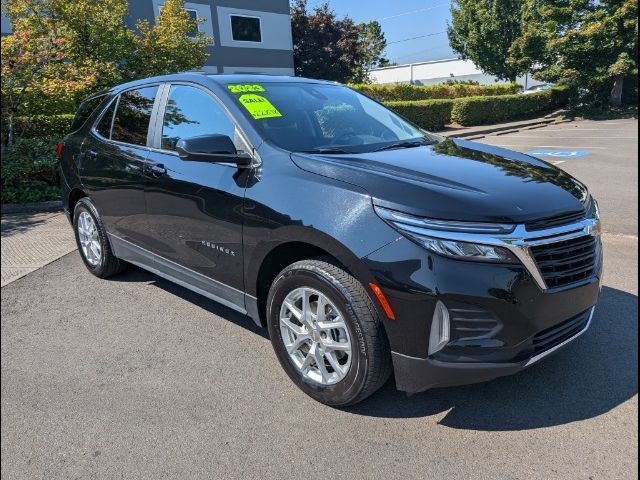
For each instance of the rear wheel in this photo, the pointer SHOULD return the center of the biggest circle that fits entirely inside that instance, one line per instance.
(92, 241)
(325, 331)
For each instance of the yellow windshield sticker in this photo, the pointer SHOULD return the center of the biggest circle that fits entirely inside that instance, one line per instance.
(258, 106)
(245, 88)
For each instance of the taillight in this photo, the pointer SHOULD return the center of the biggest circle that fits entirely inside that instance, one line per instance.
(59, 149)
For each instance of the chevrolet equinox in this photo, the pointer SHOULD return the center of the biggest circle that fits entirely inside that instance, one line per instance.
(364, 244)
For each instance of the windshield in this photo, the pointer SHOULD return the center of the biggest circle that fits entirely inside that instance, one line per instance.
(308, 117)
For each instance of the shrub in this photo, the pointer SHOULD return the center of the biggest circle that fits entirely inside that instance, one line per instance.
(24, 194)
(400, 92)
(482, 110)
(427, 114)
(28, 170)
(40, 126)
(435, 114)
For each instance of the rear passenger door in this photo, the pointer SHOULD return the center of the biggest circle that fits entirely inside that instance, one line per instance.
(195, 208)
(114, 164)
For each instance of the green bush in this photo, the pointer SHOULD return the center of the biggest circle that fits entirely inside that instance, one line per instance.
(30, 194)
(435, 114)
(39, 126)
(402, 92)
(482, 110)
(427, 114)
(28, 170)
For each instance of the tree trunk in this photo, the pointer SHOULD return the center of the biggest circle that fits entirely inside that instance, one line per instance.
(616, 92)
(10, 129)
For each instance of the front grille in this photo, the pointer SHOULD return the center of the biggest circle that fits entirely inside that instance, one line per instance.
(549, 338)
(553, 336)
(556, 221)
(567, 262)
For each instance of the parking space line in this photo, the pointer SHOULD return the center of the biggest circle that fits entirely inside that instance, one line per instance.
(546, 137)
(543, 146)
(578, 129)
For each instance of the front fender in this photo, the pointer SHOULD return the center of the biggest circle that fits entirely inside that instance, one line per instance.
(287, 204)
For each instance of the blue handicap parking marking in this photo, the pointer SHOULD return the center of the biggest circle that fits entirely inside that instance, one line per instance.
(559, 153)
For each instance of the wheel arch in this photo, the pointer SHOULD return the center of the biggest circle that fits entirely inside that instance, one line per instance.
(271, 258)
(72, 200)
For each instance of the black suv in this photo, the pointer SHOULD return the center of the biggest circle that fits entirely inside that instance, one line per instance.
(365, 244)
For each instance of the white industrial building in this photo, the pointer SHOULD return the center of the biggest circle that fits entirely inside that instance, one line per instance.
(439, 71)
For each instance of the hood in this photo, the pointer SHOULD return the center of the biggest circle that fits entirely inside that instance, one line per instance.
(456, 180)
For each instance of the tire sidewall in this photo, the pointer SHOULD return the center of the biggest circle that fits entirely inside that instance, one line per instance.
(348, 388)
(85, 205)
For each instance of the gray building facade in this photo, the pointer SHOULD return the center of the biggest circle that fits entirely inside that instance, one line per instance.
(249, 36)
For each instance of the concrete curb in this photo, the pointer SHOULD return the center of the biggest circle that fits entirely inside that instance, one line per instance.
(41, 207)
(480, 132)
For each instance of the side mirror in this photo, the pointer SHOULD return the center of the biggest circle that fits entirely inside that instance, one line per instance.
(211, 148)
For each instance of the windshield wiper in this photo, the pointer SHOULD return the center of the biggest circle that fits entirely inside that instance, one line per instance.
(405, 144)
(326, 150)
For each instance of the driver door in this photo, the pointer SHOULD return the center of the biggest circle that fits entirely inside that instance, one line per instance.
(194, 208)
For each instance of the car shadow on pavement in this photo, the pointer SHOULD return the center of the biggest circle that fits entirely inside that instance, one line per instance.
(593, 375)
(135, 274)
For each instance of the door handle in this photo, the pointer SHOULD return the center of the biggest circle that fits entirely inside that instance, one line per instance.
(92, 154)
(157, 170)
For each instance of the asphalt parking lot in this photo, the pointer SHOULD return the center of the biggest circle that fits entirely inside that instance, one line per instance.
(134, 377)
(603, 154)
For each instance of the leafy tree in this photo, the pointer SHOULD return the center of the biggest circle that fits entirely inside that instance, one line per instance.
(483, 31)
(60, 51)
(373, 44)
(92, 35)
(591, 45)
(36, 66)
(325, 46)
(173, 44)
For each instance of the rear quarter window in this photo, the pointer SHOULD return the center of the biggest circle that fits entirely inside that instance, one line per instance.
(104, 125)
(133, 115)
(84, 111)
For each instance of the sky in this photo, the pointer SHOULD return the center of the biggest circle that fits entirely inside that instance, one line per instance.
(415, 29)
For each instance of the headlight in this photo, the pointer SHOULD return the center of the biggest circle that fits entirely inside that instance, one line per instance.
(468, 251)
(432, 234)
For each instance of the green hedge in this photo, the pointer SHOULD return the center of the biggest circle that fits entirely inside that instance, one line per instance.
(482, 110)
(406, 92)
(427, 114)
(435, 114)
(28, 170)
(40, 126)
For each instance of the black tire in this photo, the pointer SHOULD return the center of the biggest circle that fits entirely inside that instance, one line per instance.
(108, 264)
(371, 360)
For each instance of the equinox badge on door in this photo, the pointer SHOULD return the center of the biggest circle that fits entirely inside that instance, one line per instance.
(224, 250)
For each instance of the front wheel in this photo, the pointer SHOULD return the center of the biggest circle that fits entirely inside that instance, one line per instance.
(325, 331)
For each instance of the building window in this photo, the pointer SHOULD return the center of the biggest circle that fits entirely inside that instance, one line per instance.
(245, 29)
(194, 16)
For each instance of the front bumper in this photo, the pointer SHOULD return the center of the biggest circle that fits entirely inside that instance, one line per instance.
(520, 317)
(418, 374)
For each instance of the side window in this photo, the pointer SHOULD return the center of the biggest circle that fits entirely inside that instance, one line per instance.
(84, 112)
(191, 112)
(104, 125)
(131, 122)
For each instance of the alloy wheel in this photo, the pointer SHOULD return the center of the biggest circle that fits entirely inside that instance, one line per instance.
(89, 239)
(315, 336)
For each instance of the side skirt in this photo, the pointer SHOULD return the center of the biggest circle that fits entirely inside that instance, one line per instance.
(187, 278)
